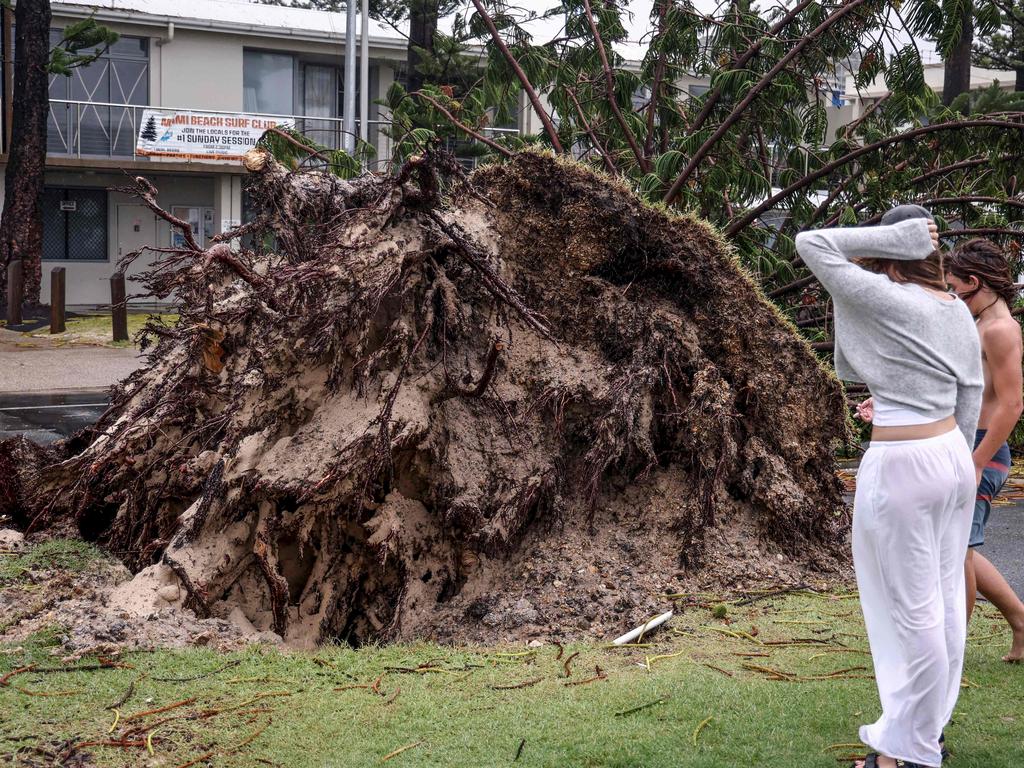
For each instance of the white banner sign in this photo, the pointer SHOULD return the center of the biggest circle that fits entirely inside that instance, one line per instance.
(205, 136)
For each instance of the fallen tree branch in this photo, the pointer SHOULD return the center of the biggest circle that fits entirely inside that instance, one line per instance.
(531, 93)
(462, 126)
(764, 82)
(609, 81)
(849, 157)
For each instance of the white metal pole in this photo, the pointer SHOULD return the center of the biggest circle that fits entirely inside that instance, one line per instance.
(349, 112)
(364, 71)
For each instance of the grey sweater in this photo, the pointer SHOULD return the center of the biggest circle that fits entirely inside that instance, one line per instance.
(909, 346)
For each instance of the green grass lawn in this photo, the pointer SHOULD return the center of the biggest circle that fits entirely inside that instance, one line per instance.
(98, 329)
(693, 696)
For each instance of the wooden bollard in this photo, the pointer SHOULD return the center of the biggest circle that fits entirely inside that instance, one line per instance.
(118, 307)
(57, 293)
(15, 292)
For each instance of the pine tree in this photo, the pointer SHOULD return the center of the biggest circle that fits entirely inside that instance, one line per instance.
(149, 131)
(1004, 48)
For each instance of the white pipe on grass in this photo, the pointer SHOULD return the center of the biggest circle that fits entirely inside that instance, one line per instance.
(657, 621)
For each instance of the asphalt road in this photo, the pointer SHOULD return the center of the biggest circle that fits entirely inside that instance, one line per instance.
(45, 417)
(1004, 542)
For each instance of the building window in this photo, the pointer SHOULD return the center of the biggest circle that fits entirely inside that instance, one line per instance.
(74, 224)
(268, 82)
(86, 116)
(322, 97)
(200, 221)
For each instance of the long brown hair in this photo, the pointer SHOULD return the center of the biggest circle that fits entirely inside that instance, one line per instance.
(986, 261)
(928, 272)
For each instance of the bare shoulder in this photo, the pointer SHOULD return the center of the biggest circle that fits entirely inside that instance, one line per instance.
(1003, 333)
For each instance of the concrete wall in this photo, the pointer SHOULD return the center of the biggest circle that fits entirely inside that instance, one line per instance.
(88, 281)
(200, 70)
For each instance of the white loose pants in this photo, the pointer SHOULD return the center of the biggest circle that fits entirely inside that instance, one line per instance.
(911, 521)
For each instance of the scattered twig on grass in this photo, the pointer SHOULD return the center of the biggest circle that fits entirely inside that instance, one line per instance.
(5, 680)
(568, 661)
(399, 751)
(561, 651)
(800, 621)
(724, 631)
(519, 751)
(725, 672)
(751, 597)
(249, 739)
(120, 743)
(148, 712)
(831, 747)
(524, 684)
(599, 674)
(650, 660)
(845, 671)
(229, 665)
(771, 673)
(45, 693)
(797, 641)
(630, 645)
(700, 728)
(839, 650)
(390, 699)
(659, 700)
(124, 697)
(196, 761)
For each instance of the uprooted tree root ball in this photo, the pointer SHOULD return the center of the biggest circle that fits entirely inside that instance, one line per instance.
(432, 406)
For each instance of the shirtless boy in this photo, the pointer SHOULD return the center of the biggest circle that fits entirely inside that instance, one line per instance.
(978, 271)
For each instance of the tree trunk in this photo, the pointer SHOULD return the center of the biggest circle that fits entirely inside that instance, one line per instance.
(957, 77)
(422, 27)
(1019, 85)
(21, 228)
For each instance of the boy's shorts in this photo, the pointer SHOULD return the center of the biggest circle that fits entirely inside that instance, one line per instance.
(992, 479)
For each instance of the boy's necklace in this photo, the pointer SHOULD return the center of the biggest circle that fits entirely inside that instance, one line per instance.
(986, 309)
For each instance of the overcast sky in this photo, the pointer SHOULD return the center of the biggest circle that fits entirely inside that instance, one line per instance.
(640, 28)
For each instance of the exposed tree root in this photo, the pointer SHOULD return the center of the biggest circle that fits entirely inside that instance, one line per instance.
(356, 425)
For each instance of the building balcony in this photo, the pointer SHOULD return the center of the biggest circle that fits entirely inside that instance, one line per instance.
(103, 131)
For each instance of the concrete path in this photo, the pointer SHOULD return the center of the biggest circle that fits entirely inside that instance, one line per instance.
(31, 364)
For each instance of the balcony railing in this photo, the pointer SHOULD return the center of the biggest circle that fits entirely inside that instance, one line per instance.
(92, 129)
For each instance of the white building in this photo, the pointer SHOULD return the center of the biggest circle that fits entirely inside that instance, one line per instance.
(226, 69)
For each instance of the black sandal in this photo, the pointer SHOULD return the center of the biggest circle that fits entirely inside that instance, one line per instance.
(871, 761)
(942, 746)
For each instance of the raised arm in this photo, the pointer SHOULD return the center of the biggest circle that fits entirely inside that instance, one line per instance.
(827, 253)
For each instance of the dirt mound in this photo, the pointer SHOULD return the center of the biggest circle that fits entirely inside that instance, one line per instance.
(431, 406)
(88, 603)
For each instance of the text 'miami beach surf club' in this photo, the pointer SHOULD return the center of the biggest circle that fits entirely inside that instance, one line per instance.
(206, 136)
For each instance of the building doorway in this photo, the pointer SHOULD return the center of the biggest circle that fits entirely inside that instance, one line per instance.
(136, 228)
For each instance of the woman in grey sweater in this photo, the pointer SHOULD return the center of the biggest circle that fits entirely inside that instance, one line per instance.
(898, 330)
